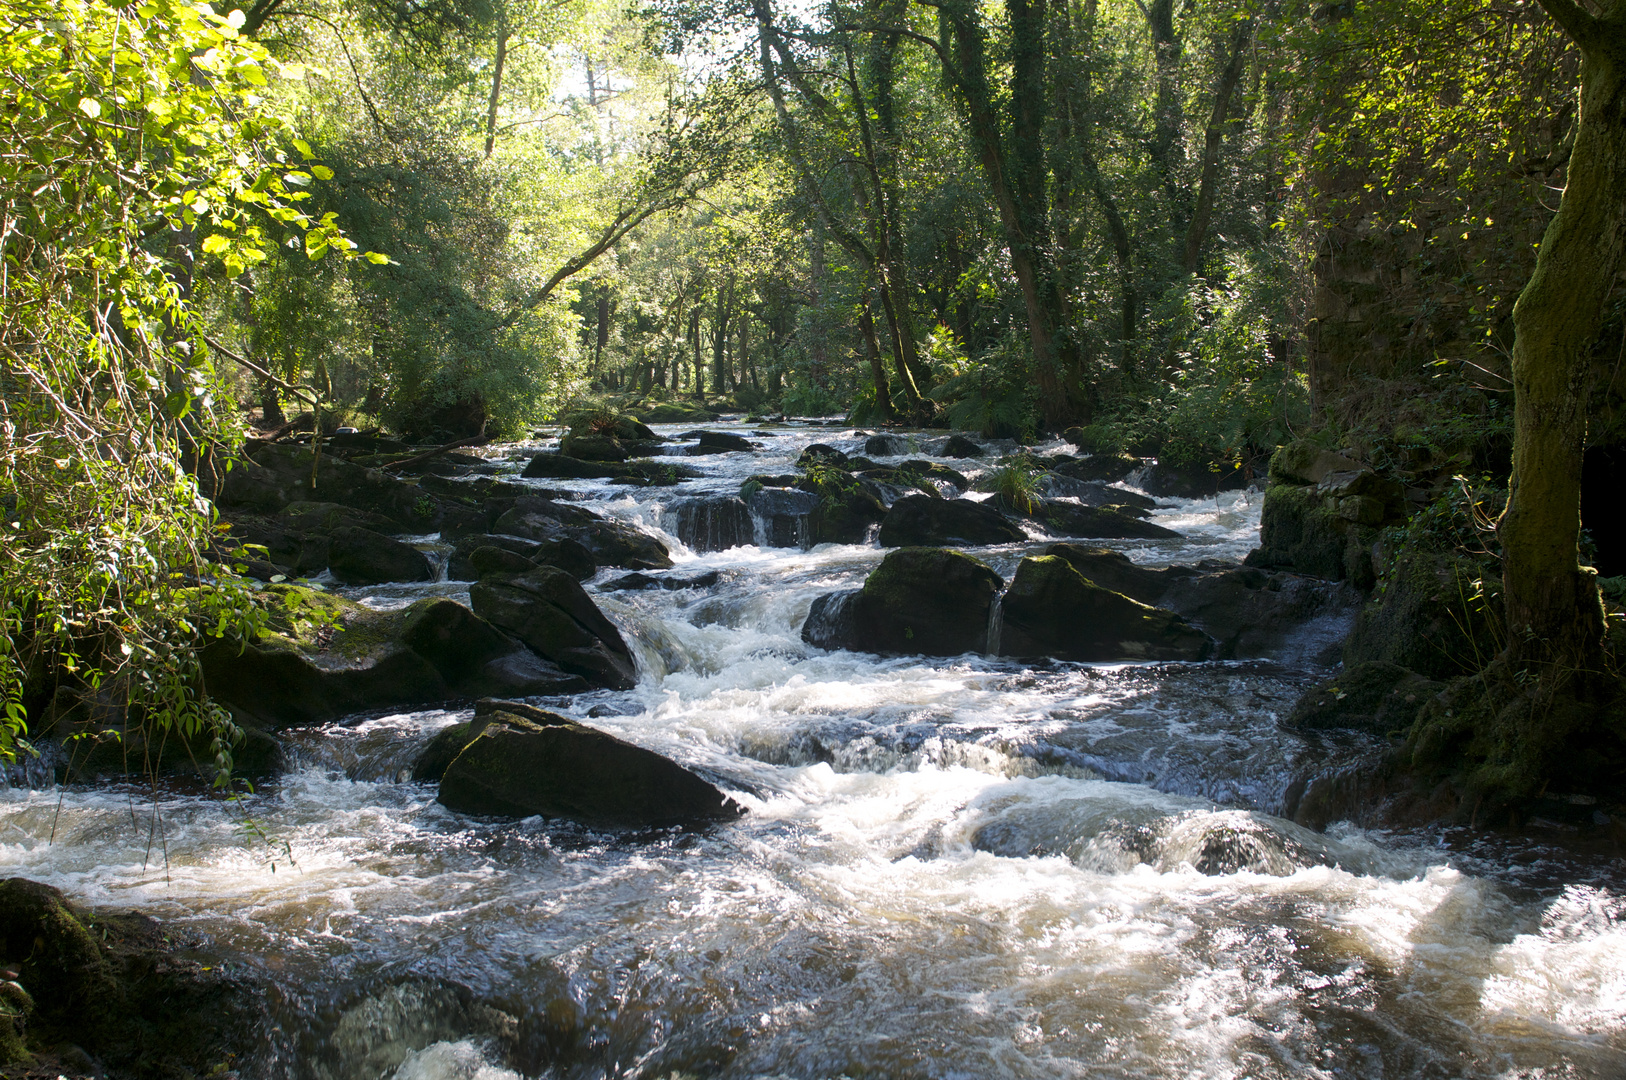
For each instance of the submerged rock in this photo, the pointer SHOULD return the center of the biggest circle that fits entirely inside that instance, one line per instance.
(548, 610)
(516, 761)
(126, 991)
(919, 601)
(663, 581)
(1050, 610)
(919, 520)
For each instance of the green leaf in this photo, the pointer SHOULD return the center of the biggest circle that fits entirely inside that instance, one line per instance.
(215, 244)
(321, 172)
(90, 107)
(377, 258)
(304, 149)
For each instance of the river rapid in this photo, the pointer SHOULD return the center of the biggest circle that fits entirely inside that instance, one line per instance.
(949, 868)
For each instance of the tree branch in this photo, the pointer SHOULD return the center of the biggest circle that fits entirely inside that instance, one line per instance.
(1578, 23)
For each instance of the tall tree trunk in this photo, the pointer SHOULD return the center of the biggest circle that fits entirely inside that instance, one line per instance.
(1230, 76)
(1552, 605)
(699, 364)
(719, 338)
(877, 370)
(496, 82)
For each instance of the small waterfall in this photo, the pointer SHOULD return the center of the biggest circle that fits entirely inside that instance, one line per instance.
(714, 523)
(780, 517)
(996, 625)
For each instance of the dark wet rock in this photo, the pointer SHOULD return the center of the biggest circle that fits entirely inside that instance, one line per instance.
(886, 446)
(1233, 843)
(289, 549)
(1376, 697)
(710, 523)
(563, 467)
(367, 442)
(515, 766)
(1115, 571)
(1298, 532)
(322, 657)
(847, 506)
(725, 440)
(675, 412)
(325, 516)
(1254, 614)
(1303, 462)
(1095, 493)
(364, 557)
(1193, 481)
(822, 453)
(612, 543)
(919, 601)
(958, 446)
(783, 513)
(275, 475)
(121, 995)
(930, 470)
(457, 519)
(919, 520)
(96, 740)
(1426, 619)
(565, 554)
(548, 610)
(663, 581)
(589, 446)
(1051, 610)
(1102, 468)
(1097, 522)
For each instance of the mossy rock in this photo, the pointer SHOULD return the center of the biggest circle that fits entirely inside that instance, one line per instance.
(1050, 610)
(846, 509)
(1298, 532)
(590, 446)
(1376, 696)
(550, 612)
(1304, 462)
(125, 989)
(918, 520)
(1427, 618)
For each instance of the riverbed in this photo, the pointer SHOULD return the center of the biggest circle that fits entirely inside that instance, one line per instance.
(950, 868)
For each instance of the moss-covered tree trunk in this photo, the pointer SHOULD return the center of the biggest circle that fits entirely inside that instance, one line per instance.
(1552, 606)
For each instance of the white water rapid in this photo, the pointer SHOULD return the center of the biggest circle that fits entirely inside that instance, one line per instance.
(950, 868)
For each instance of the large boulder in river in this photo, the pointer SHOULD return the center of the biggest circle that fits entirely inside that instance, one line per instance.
(958, 446)
(1257, 614)
(271, 476)
(321, 657)
(364, 557)
(612, 543)
(121, 995)
(1051, 610)
(1097, 522)
(564, 553)
(551, 613)
(565, 467)
(848, 505)
(1298, 531)
(1102, 468)
(518, 762)
(919, 601)
(710, 522)
(919, 520)
(1115, 571)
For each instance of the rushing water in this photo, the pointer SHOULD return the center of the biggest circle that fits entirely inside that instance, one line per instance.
(950, 868)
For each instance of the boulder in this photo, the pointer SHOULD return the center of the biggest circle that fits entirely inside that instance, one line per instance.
(919, 520)
(1256, 614)
(821, 453)
(1430, 618)
(663, 581)
(710, 523)
(676, 412)
(321, 657)
(1375, 696)
(477, 658)
(1097, 522)
(611, 543)
(515, 766)
(919, 601)
(846, 509)
(363, 557)
(1115, 571)
(784, 513)
(564, 553)
(275, 475)
(1303, 462)
(547, 610)
(724, 440)
(958, 446)
(590, 446)
(1199, 481)
(1094, 493)
(564, 467)
(886, 446)
(1103, 468)
(1051, 610)
(126, 995)
(931, 470)
(1298, 532)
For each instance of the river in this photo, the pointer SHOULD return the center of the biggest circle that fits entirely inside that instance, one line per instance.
(949, 868)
